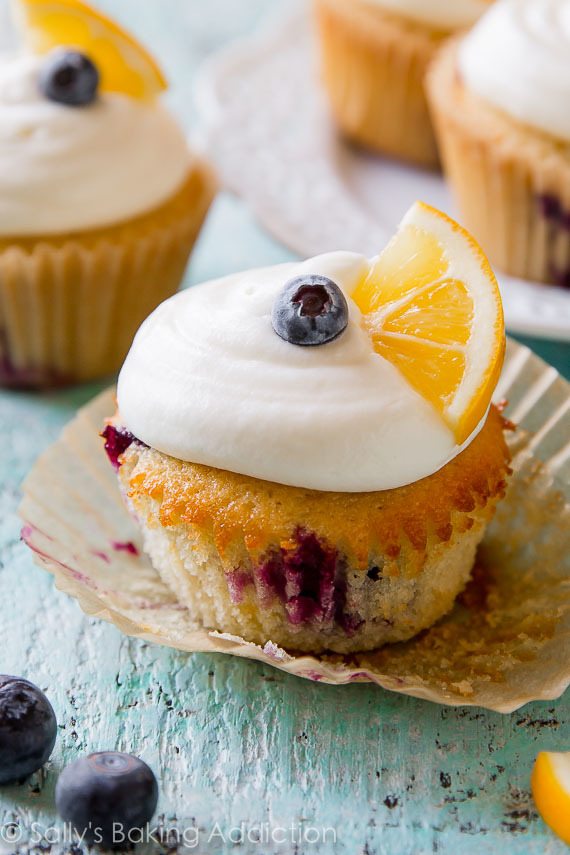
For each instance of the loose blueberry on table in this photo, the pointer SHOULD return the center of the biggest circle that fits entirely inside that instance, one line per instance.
(310, 310)
(28, 729)
(107, 795)
(69, 77)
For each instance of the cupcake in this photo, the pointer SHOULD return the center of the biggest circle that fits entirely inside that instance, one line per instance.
(101, 199)
(375, 54)
(499, 99)
(310, 450)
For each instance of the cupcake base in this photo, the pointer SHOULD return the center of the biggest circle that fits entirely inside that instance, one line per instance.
(511, 182)
(71, 304)
(314, 571)
(353, 612)
(373, 65)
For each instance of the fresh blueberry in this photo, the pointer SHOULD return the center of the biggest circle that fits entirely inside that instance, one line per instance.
(310, 310)
(28, 729)
(70, 78)
(107, 795)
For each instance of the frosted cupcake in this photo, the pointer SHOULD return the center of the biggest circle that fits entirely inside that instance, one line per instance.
(310, 449)
(101, 199)
(375, 54)
(500, 99)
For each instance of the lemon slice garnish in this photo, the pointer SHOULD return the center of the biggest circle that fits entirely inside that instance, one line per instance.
(432, 307)
(124, 64)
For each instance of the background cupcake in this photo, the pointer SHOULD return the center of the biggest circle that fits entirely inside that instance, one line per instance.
(100, 198)
(309, 449)
(499, 99)
(375, 54)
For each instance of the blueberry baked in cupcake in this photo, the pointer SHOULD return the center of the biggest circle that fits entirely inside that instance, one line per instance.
(375, 54)
(101, 198)
(499, 99)
(310, 449)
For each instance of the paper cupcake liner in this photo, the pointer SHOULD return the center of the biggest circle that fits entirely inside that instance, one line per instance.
(374, 66)
(70, 305)
(507, 641)
(512, 184)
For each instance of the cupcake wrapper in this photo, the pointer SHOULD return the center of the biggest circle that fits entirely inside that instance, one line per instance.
(507, 642)
(512, 184)
(374, 66)
(70, 305)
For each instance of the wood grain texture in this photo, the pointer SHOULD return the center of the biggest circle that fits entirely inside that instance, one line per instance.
(233, 741)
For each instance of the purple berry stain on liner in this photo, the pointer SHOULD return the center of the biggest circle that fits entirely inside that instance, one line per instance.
(560, 277)
(550, 207)
(313, 675)
(553, 210)
(125, 546)
(554, 213)
(13, 377)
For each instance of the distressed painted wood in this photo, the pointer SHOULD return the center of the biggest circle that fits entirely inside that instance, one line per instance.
(232, 741)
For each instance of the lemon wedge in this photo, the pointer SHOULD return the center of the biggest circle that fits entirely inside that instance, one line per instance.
(432, 307)
(124, 64)
(550, 784)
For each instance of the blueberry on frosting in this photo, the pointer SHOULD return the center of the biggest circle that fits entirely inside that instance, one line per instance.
(69, 77)
(310, 310)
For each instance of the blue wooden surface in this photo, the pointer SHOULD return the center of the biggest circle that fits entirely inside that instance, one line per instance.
(233, 741)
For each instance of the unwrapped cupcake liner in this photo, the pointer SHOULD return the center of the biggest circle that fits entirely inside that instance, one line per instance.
(511, 183)
(374, 66)
(507, 641)
(70, 306)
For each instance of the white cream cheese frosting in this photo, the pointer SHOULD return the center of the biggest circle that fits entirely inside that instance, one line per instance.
(442, 14)
(207, 380)
(72, 168)
(517, 58)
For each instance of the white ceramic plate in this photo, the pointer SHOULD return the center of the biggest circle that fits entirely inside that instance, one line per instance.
(267, 129)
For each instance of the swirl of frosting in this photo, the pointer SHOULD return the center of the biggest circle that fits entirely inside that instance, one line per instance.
(517, 58)
(207, 380)
(443, 14)
(67, 169)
